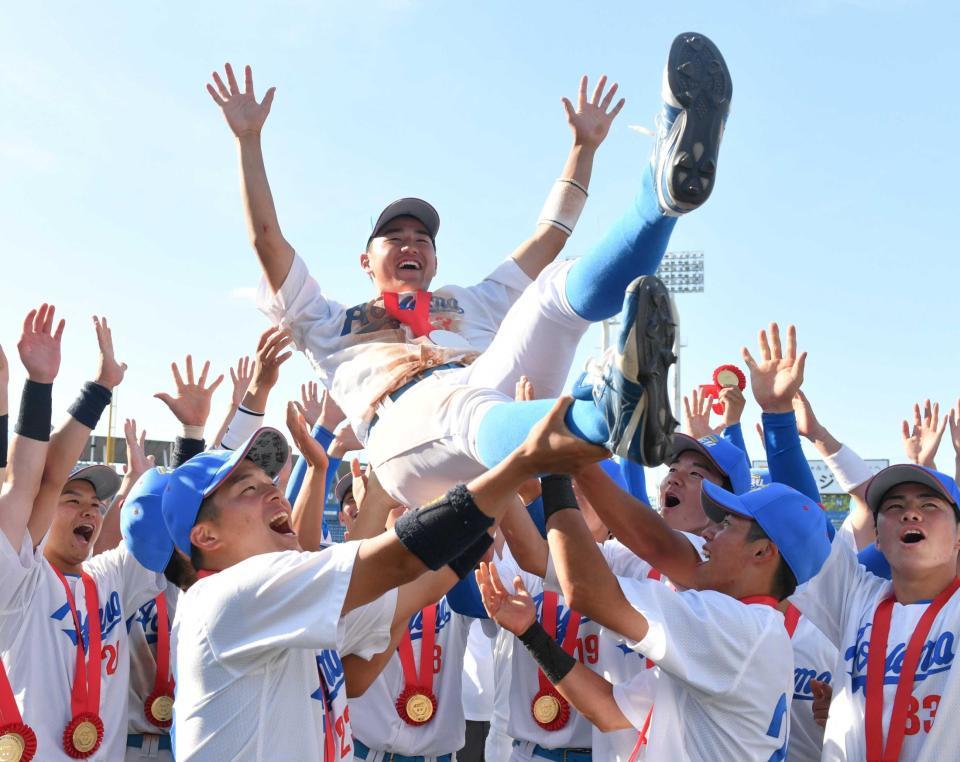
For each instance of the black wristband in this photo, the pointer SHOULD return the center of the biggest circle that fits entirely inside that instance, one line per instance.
(36, 410)
(4, 424)
(547, 653)
(557, 493)
(91, 403)
(185, 448)
(467, 561)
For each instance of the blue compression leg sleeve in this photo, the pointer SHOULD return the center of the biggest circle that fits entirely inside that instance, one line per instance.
(633, 247)
(505, 426)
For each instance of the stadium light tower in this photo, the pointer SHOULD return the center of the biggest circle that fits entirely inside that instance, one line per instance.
(682, 273)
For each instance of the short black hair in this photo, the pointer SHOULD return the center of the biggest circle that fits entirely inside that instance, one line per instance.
(180, 572)
(785, 581)
(208, 512)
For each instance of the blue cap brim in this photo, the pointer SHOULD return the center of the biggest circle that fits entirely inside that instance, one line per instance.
(717, 502)
(903, 473)
(142, 524)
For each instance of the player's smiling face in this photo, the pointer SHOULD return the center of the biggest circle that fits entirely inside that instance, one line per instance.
(402, 257)
(917, 530)
(75, 527)
(680, 492)
(728, 554)
(252, 517)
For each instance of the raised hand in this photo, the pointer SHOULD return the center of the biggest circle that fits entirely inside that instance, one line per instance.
(344, 440)
(241, 379)
(138, 462)
(266, 371)
(591, 120)
(243, 113)
(310, 402)
(921, 442)
(776, 379)
(696, 415)
(550, 447)
(39, 344)
(4, 383)
(111, 372)
(191, 405)
(309, 447)
(515, 612)
(807, 424)
(955, 428)
(733, 404)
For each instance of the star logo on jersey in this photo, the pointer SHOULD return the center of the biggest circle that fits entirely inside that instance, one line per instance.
(936, 657)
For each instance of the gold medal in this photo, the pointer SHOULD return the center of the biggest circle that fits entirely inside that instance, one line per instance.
(12, 747)
(727, 378)
(162, 709)
(419, 708)
(85, 737)
(546, 708)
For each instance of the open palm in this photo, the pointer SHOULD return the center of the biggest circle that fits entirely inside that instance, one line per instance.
(240, 108)
(776, 379)
(591, 120)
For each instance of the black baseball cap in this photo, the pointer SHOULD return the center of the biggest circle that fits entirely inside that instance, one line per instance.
(408, 207)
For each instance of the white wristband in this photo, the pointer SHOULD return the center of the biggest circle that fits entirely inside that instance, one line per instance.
(191, 432)
(848, 468)
(241, 428)
(563, 205)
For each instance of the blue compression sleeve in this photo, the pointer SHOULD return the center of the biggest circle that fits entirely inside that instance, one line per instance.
(634, 246)
(734, 435)
(464, 598)
(785, 457)
(505, 426)
(324, 437)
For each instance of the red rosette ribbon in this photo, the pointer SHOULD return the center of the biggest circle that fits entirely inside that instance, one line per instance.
(722, 380)
(550, 710)
(17, 738)
(416, 705)
(83, 735)
(158, 709)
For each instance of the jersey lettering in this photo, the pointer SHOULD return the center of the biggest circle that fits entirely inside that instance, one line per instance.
(370, 317)
(936, 657)
(802, 689)
(776, 724)
(111, 614)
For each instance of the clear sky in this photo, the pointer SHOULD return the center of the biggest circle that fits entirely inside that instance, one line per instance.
(834, 207)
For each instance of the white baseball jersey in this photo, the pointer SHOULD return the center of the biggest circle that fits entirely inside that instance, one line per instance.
(375, 718)
(725, 676)
(360, 353)
(841, 601)
(39, 640)
(477, 692)
(814, 658)
(246, 640)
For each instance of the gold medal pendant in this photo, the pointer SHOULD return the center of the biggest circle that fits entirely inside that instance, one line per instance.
(550, 710)
(158, 709)
(17, 744)
(83, 735)
(416, 706)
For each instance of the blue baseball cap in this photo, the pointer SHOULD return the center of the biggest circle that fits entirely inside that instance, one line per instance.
(873, 560)
(794, 522)
(724, 456)
(198, 478)
(141, 521)
(885, 480)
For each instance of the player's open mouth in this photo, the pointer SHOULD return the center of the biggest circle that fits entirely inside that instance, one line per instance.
(84, 532)
(670, 500)
(409, 264)
(281, 524)
(912, 536)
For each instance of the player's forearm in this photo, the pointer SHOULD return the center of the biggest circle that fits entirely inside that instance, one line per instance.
(25, 468)
(227, 419)
(640, 528)
(592, 696)
(529, 549)
(263, 226)
(308, 510)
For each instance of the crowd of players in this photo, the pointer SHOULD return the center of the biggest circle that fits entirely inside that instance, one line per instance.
(540, 608)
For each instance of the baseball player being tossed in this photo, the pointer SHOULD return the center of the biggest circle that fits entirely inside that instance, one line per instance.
(426, 378)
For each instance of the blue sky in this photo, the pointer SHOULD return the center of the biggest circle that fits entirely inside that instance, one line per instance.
(834, 206)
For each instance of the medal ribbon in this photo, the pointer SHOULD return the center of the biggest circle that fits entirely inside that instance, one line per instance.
(548, 618)
(428, 620)
(85, 695)
(9, 712)
(163, 683)
(876, 663)
(329, 741)
(791, 619)
(418, 319)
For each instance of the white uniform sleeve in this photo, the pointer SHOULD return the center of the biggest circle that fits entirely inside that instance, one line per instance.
(139, 584)
(300, 306)
(826, 598)
(291, 600)
(20, 572)
(365, 631)
(635, 697)
(680, 623)
(496, 293)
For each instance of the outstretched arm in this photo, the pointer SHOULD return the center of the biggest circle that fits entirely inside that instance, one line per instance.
(138, 463)
(307, 517)
(246, 117)
(67, 443)
(590, 122)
